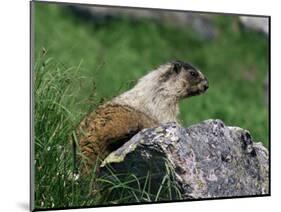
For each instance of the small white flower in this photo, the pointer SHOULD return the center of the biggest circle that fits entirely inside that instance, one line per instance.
(76, 177)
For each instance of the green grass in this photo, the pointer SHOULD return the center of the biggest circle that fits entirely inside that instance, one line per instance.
(80, 64)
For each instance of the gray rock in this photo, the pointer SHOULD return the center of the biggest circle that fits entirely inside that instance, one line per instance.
(206, 160)
(259, 24)
(202, 24)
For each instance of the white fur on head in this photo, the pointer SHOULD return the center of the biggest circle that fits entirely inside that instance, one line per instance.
(156, 99)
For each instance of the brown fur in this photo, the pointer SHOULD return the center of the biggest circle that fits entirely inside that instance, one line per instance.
(108, 126)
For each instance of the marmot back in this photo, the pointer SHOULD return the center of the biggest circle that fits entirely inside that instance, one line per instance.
(106, 129)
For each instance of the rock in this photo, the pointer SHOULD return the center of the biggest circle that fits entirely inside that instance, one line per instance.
(202, 24)
(259, 24)
(206, 160)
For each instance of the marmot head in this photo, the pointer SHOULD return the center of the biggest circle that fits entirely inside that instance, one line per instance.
(181, 80)
(157, 93)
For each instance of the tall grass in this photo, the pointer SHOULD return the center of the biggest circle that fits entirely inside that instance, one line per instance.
(57, 184)
(53, 121)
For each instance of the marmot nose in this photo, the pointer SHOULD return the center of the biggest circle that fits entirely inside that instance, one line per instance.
(206, 85)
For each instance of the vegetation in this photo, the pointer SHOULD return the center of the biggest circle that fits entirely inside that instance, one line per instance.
(79, 64)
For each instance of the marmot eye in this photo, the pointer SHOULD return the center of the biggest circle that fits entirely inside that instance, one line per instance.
(194, 73)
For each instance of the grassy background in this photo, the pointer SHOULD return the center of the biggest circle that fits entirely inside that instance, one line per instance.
(79, 64)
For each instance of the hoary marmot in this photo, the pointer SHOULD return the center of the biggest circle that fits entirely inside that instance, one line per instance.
(152, 101)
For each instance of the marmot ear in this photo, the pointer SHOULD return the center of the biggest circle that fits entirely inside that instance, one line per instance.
(177, 67)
